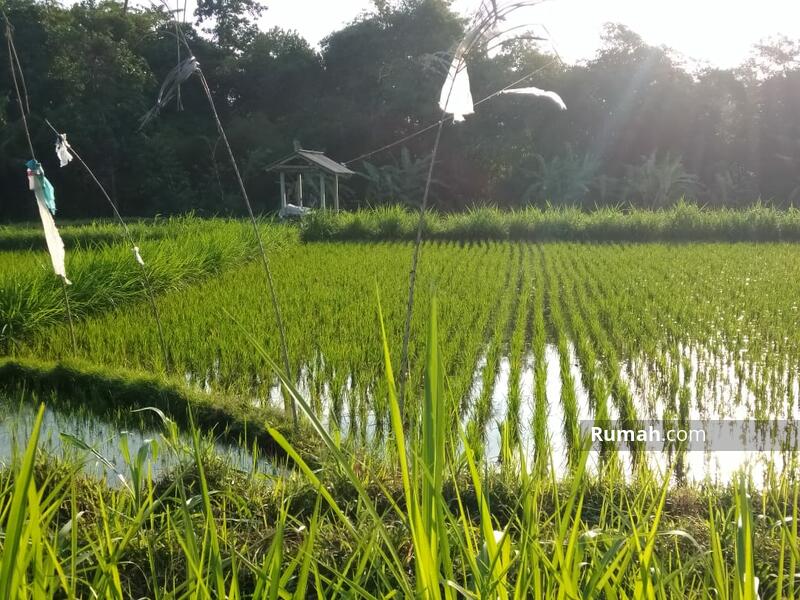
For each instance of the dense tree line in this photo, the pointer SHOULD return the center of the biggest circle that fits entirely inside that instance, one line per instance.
(641, 129)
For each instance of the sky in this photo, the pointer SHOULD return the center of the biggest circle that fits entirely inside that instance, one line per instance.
(717, 32)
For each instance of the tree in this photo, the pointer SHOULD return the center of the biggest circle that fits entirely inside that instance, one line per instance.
(566, 179)
(94, 68)
(402, 182)
(658, 181)
(233, 26)
(277, 74)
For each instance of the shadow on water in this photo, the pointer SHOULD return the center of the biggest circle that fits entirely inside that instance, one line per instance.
(98, 444)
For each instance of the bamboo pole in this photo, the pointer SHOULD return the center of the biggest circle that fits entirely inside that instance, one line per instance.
(16, 70)
(146, 284)
(404, 367)
(264, 259)
(263, 252)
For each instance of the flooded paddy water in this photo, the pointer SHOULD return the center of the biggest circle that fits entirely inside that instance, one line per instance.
(100, 446)
(695, 387)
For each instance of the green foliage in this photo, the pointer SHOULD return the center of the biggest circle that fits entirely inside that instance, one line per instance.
(658, 182)
(93, 69)
(563, 180)
(381, 223)
(481, 223)
(370, 502)
(684, 221)
(105, 277)
(276, 69)
(232, 22)
(77, 234)
(400, 183)
(206, 526)
(625, 313)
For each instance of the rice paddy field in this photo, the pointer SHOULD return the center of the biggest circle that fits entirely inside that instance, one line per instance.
(480, 481)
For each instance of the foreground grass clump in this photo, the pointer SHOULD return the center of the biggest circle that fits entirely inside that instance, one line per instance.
(161, 537)
(683, 222)
(105, 276)
(419, 519)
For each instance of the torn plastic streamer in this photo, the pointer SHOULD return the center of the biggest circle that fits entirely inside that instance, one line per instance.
(55, 245)
(456, 96)
(36, 176)
(177, 76)
(62, 150)
(534, 91)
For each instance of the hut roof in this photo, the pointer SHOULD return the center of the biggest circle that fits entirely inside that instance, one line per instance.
(301, 159)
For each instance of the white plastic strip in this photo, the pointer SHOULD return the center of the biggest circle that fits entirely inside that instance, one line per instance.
(534, 91)
(62, 150)
(55, 246)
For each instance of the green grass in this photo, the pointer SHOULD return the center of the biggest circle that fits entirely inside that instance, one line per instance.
(636, 316)
(368, 502)
(76, 234)
(684, 222)
(105, 276)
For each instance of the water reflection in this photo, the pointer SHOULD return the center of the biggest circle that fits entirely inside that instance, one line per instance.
(63, 435)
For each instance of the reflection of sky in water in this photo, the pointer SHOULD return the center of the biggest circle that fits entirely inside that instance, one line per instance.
(706, 401)
(104, 438)
(711, 384)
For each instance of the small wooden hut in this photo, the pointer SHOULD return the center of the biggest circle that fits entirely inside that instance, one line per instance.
(310, 163)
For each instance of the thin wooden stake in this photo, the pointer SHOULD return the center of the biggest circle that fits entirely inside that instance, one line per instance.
(404, 367)
(264, 259)
(148, 288)
(12, 54)
(69, 317)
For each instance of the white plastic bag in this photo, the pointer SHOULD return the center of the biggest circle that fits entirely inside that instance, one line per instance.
(292, 211)
(62, 150)
(456, 96)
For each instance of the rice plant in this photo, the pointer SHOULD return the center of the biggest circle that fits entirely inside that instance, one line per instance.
(420, 518)
(680, 221)
(527, 343)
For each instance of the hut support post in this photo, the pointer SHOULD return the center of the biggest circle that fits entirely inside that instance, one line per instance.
(283, 190)
(336, 193)
(322, 190)
(299, 189)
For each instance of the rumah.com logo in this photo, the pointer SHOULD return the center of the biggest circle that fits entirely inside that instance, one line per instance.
(694, 435)
(650, 434)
